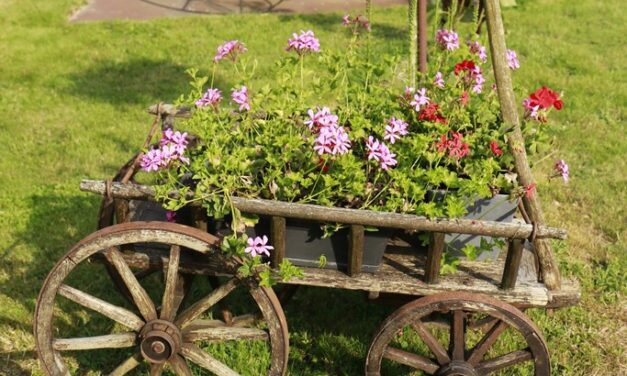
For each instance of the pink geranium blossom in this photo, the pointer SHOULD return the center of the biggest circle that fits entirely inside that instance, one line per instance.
(151, 161)
(562, 168)
(241, 97)
(395, 129)
(332, 140)
(170, 216)
(258, 246)
(477, 49)
(378, 151)
(420, 99)
(320, 119)
(303, 43)
(211, 98)
(448, 39)
(438, 80)
(229, 49)
(512, 60)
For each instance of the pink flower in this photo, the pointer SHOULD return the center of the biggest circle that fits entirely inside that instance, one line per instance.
(229, 49)
(360, 21)
(332, 140)
(479, 80)
(512, 60)
(448, 39)
(531, 110)
(409, 91)
(211, 98)
(241, 97)
(379, 152)
(395, 129)
(320, 119)
(346, 20)
(151, 161)
(420, 99)
(438, 80)
(477, 49)
(170, 216)
(258, 246)
(303, 43)
(562, 168)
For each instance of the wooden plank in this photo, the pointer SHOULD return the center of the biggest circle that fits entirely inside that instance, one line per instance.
(179, 366)
(191, 313)
(509, 111)
(196, 355)
(351, 216)
(503, 361)
(434, 257)
(277, 238)
(413, 360)
(512, 264)
(109, 341)
(168, 306)
(355, 249)
(225, 333)
(128, 365)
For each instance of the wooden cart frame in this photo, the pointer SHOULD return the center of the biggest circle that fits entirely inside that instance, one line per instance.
(485, 296)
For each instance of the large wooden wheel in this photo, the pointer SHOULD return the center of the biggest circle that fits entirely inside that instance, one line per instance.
(159, 332)
(461, 311)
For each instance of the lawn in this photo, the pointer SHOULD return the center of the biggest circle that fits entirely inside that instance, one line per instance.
(73, 99)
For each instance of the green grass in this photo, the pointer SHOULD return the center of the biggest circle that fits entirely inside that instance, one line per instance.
(72, 100)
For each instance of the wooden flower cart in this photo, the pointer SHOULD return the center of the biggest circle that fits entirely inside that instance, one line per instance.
(168, 331)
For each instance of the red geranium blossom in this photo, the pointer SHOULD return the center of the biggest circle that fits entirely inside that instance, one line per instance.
(455, 146)
(496, 150)
(431, 112)
(546, 98)
(466, 65)
(464, 98)
(530, 189)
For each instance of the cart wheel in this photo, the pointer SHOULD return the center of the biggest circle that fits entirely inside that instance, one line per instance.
(461, 358)
(157, 331)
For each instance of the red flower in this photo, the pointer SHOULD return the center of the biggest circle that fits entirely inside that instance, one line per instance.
(530, 189)
(455, 146)
(466, 65)
(442, 145)
(431, 112)
(496, 150)
(546, 98)
(322, 166)
(464, 98)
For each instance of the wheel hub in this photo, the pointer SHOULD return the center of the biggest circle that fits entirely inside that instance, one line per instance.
(457, 368)
(160, 340)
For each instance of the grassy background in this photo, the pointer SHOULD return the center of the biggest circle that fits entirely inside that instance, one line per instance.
(72, 99)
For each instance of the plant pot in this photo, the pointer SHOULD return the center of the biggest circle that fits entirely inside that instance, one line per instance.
(498, 208)
(304, 245)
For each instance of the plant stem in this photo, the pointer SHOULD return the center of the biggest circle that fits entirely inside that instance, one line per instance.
(413, 39)
(302, 76)
(213, 74)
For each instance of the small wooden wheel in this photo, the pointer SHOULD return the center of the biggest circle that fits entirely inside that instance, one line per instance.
(460, 358)
(157, 331)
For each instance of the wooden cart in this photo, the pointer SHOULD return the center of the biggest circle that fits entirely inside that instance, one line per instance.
(489, 298)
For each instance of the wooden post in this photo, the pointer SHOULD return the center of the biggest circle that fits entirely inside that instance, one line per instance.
(413, 41)
(355, 249)
(434, 257)
(496, 33)
(277, 237)
(422, 35)
(512, 264)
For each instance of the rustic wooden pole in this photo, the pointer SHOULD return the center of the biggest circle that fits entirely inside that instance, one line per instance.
(496, 33)
(277, 237)
(434, 257)
(355, 249)
(422, 35)
(512, 264)
(413, 41)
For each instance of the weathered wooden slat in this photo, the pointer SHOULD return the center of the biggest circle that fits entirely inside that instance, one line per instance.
(119, 314)
(503, 361)
(172, 277)
(351, 216)
(481, 348)
(434, 345)
(409, 359)
(109, 341)
(277, 238)
(509, 111)
(458, 335)
(221, 334)
(196, 355)
(156, 369)
(512, 264)
(434, 257)
(140, 296)
(355, 249)
(128, 365)
(179, 365)
(191, 313)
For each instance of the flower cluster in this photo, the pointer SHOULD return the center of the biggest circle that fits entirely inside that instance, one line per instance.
(420, 99)
(395, 129)
(360, 22)
(172, 148)
(378, 151)
(448, 39)
(477, 49)
(512, 60)
(438, 80)
(258, 246)
(331, 137)
(455, 146)
(431, 113)
(303, 43)
(231, 50)
(241, 97)
(320, 119)
(471, 74)
(540, 102)
(562, 169)
(211, 98)
(496, 150)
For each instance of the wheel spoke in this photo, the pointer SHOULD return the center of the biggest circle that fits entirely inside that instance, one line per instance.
(436, 348)
(167, 305)
(413, 360)
(205, 303)
(214, 334)
(196, 355)
(179, 365)
(458, 335)
(109, 341)
(140, 296)
(486, 342)
(249, 319)
(128, 365)
(504, 361)
(156, 369)
(119, 314)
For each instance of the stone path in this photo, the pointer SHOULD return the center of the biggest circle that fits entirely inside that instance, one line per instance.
(147, 9)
